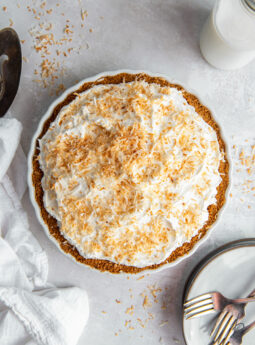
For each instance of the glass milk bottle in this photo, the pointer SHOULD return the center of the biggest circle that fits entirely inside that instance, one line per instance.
(227, 40)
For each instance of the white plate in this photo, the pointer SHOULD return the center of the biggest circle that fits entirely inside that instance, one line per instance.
(230, 270)
(60, 99)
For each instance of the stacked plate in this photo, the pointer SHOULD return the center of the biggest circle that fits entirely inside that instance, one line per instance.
(229, 270)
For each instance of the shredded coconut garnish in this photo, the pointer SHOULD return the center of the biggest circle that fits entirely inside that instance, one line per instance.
(129, 172)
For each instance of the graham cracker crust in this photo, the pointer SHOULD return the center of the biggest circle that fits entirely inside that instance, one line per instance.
(51, 222)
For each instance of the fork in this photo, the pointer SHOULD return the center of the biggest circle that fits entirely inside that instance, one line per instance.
(237, 337)
(211, 302)
(227, 320)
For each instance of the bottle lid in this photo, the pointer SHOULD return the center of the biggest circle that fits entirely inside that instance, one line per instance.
(250, 3)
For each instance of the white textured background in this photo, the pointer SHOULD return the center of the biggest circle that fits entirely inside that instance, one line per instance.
(158, 36)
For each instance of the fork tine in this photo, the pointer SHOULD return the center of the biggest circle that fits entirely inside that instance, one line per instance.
(198, 304)
(220, 318)
(225, 340)
(222, 326)
(198, 309)
(197, 314)
(226, 333)
(215, 342)
(198, 298)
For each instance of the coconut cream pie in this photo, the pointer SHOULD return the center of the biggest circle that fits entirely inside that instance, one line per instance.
(129, 172)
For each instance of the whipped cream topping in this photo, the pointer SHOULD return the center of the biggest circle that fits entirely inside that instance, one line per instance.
(129, 172)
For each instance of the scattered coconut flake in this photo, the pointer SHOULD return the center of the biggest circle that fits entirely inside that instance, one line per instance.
(163, 323)
(130, 310)
(140, 278)
(84, 14)
(146, 302)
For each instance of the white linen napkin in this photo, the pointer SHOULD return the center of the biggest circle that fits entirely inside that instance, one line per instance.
(31, 310)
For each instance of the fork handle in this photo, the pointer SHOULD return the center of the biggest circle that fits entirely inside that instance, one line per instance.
(251, 294)
(247, 328)
(243, 300)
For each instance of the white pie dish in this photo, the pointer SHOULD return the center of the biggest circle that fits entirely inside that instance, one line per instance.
(48, 114)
